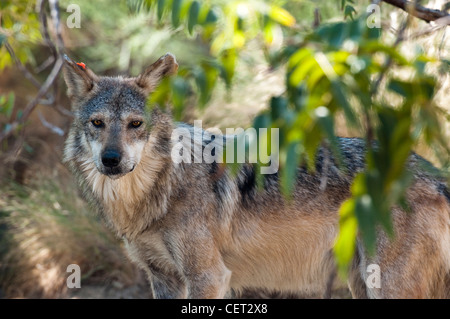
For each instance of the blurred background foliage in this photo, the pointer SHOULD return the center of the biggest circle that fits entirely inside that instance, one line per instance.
(313, 69)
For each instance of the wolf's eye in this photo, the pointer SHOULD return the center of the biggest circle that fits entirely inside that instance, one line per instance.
(135, 124)
(97, 123)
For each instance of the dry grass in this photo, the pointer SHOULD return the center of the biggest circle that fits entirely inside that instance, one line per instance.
(44, 227)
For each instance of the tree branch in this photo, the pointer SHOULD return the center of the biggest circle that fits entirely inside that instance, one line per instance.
(56, 50)
(418, 11)
(439, 24)
(32, 105)
(54, 12)
(28, 75)
(55, 129)
(40, 6)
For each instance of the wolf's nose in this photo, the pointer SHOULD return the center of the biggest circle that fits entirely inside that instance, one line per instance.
(111, 159)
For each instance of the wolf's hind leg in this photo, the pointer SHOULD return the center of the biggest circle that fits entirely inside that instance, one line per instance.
(414, 264)
(355, 281)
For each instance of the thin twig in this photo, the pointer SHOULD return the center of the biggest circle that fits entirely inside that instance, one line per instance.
(54, 13)
(45, 87)
(441, 45)
(374, 89)
(55, 129)
(32, 105)
(44, 27)
(388, 63)
(63, 111)
(28, 75)
(45, 64)
(417, 10)
(316, 22)
(57, 51)
(439, 24)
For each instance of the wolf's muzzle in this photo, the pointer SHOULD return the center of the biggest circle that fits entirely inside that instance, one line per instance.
(111, 158)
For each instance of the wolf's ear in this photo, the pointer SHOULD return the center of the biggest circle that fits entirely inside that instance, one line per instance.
(150, 78)
(80, 80)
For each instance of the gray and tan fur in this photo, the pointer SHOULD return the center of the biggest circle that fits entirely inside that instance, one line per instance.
(199, 232)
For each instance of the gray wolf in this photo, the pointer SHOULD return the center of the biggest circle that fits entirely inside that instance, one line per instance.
(199, 231)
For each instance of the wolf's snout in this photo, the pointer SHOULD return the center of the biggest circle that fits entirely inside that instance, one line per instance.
(110, 158)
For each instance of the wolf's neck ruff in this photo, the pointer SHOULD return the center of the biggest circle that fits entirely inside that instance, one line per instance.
(125, 200)
(128, 189)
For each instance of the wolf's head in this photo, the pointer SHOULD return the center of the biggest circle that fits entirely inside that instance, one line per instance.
(110, 116)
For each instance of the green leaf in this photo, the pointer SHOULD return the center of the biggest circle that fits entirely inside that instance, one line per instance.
(10, 104)
(401, 87)
(298, 97)
(205, 79)
(298, 57)
(446, 6)
(366, 213)
(427, 87)
(345, 246)
(160, 9)
(341, 99)
(278, 107)
(268, 33)
(211, 17)
(176, 8)
(180, 89)
(2, 39)
(261, 121)
(349, 11)
(228, 60)
(161, 95)
(289, 171)
(202, 85)
(375, 46)
(338, 34)
(19, 114)
(135, 6)
(325, 120)
(193, 15)
(7, 105)
(356, 29)
(333, 34)
(420, 63)
(281, 16)
(302, 70)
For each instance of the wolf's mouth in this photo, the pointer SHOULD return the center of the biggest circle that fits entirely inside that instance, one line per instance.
(115, 172)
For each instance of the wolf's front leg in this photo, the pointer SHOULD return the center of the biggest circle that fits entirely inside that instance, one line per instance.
(205, 273)
(209, 284)
(166, 284)
(203, 284)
